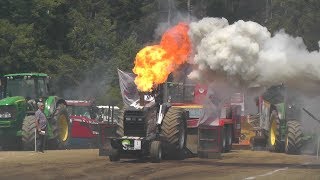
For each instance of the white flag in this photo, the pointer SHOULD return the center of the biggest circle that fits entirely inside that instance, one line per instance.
(128, 88)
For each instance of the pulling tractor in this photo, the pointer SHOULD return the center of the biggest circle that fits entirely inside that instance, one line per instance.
(279, 122)
(166, 124)
(149, 127)
(21, 92)
(209, 133)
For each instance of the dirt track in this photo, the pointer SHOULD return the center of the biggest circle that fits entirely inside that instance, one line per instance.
(86, 164)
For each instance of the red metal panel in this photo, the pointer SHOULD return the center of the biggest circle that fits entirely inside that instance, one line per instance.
(82, 127)
(227, 121)
(200, 92)
(192, 123)
(81, 130)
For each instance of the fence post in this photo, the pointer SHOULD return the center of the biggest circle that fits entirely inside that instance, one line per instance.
(318, 147)
(35, 139)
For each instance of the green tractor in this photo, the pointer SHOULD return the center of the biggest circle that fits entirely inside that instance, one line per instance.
(18, 103)
(280, 127)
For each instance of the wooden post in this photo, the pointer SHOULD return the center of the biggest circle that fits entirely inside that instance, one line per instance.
(35, 139)
(318, 147)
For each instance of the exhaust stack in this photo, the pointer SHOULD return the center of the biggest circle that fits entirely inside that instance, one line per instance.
(141, 95)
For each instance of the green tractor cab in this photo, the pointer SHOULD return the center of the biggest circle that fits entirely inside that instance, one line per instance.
(20, 94)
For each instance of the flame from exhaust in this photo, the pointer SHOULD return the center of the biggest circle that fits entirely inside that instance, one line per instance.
(153, 64)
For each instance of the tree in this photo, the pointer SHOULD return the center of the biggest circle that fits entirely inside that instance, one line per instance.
(298, 18)
(17, 48)
(83, 42)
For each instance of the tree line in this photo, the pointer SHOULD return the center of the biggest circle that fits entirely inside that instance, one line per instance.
(81, 43)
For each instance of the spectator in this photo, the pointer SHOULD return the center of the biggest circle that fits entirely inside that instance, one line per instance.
(41, 124)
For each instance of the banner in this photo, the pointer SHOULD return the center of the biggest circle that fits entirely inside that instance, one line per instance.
(129, 91)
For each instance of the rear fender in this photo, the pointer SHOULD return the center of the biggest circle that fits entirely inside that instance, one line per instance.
(163, 108)
(51, 104)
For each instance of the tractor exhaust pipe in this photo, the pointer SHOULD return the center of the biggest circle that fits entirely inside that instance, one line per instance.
(141, 95)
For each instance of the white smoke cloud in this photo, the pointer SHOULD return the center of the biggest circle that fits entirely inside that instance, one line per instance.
(205, 26)
(246, 53)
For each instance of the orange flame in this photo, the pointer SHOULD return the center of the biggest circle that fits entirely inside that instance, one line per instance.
(153, 64)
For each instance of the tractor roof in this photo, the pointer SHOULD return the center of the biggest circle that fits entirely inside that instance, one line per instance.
(27, 74)
(78, 103)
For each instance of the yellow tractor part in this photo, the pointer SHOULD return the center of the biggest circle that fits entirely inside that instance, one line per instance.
(273, 131)
(64, 128)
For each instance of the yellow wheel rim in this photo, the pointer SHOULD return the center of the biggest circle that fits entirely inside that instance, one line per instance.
(273, 130)
(64, 128)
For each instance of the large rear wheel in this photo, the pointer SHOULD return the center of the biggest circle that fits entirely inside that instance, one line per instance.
(173, 130)
(28, 133)
(293, 142)
(61, 128)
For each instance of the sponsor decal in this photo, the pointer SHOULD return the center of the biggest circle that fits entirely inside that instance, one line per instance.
(125, 143)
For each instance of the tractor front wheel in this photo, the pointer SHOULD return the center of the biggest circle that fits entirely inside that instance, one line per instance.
(155, 151)
(114, 155)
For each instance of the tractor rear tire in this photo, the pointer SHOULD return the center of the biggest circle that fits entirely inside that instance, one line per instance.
(174, 132)
(155, 151)
(28, 133)
(120, 124)
(114, 155)
(274, 139)
(293, 142)
(61, 128)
